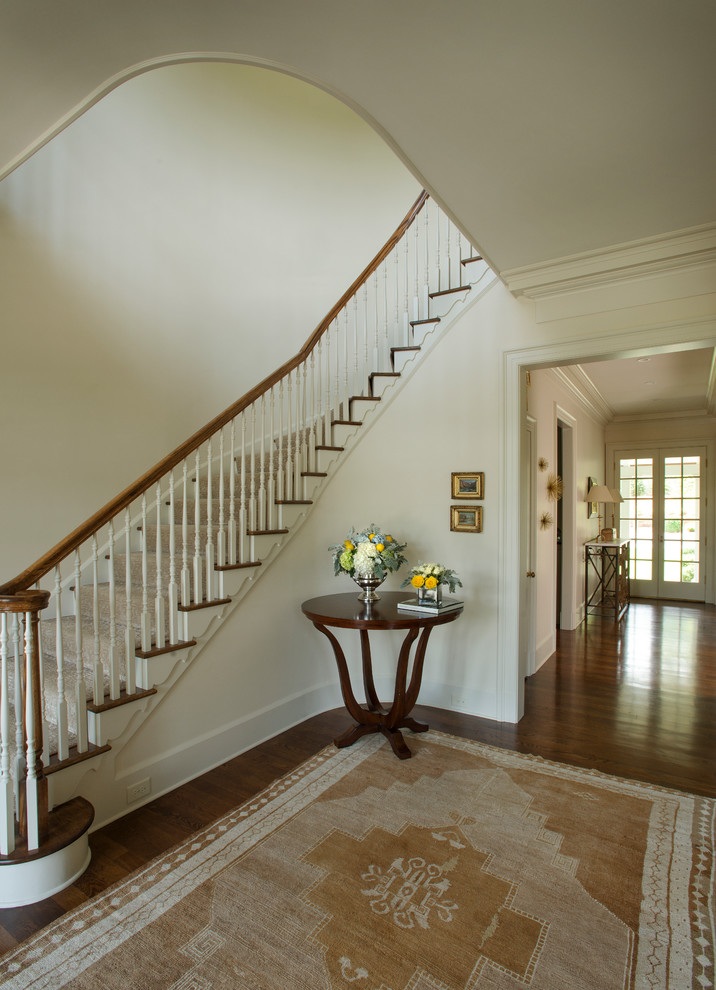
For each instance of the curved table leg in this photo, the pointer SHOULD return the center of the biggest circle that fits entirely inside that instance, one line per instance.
(374, 718)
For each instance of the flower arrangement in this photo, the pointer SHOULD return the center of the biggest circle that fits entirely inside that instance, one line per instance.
(429, 576)
(369, 553)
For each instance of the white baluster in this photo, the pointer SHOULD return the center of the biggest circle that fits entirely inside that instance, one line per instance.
(198, 579)
(280, 474)
(232, 495)
(19, 707)
(80, 684)
(97, 672)
(416, 293)
(243, 517)
(385, 339)
(290, 446)
(312, 419)
(130, 646)
(376, 325)
(301, 428)
(253, 485)
(221, 534)
(63, 745)
(271, 494)
(45, 724)
(340, 411)
(364, 323)
(321, 435)
(261, 513)
(346, 367)
(357, 385)
(32, 795)
(146, 621)
(114, 689)
(395, 336)
(438, 259)
(406, 290)
(327, 417)
(159, 613)
(185, 572)
(173, 590)
(7, 798)
(426, 274)
(209, 545)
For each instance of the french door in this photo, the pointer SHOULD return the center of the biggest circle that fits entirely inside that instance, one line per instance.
(663, 515)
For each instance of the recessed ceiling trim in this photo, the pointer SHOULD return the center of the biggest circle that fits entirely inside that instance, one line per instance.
(583, 388)
(692, 248)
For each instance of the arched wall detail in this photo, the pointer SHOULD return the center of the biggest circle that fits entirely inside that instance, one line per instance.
(182, 58)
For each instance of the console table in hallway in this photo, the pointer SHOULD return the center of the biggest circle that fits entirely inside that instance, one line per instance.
(610, 563)
(347, 612)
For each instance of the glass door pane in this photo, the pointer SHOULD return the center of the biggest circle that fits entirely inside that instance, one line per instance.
(682, 521)
(636, 486)
(662, 516)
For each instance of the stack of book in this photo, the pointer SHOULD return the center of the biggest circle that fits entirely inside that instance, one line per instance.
(415, 605)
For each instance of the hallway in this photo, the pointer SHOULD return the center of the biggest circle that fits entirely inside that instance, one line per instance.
(637, 700)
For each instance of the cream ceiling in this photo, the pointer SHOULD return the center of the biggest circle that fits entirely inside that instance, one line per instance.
(673, 383)
(548, 129)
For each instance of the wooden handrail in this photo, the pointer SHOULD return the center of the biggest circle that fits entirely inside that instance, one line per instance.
(65, 547)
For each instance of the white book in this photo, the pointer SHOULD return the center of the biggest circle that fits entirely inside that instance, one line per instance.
(415, 605)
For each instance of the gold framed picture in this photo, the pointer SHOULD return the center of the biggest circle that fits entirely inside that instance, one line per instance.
(466, 518)
(468, 484)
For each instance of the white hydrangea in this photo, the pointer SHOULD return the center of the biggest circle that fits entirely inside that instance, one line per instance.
(364, 557)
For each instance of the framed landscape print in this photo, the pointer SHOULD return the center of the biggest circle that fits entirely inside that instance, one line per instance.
(466, 518)
(468, 484)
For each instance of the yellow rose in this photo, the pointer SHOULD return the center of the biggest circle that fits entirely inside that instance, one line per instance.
(348, 545)
(379, 547)
(417, 580)
(431, 582)
(371, 535)
(389, 539)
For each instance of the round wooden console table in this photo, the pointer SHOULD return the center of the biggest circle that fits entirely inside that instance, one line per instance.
(346, 612)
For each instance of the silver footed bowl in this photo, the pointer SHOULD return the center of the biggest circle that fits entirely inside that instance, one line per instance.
(368, 583)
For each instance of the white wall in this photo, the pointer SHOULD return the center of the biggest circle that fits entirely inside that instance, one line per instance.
(157, 259)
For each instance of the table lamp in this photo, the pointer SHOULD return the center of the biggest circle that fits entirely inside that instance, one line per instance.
(600, 494)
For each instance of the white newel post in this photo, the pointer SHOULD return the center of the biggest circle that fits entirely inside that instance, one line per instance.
(32, 804)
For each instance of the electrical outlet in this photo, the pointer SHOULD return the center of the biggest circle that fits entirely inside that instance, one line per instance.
(139, 790)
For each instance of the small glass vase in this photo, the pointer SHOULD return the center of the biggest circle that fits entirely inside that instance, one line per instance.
(368, 583)
(430, 596)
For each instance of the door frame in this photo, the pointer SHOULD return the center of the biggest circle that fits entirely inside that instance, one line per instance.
(688, 334)
(568, 609)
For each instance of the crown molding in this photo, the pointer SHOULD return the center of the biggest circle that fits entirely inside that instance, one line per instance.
(692, 248)
(578, 382)
(651, 416)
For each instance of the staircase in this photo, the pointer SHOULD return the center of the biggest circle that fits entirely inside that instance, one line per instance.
(132, 596)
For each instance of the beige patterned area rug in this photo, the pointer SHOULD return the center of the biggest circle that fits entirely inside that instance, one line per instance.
(464, 867)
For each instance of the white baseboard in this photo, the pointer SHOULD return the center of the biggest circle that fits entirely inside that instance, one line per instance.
(545, 648)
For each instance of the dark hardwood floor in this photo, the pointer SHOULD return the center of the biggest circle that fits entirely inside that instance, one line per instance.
(637, 700)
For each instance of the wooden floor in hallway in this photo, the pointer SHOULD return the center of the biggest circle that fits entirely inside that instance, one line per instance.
(636, 699)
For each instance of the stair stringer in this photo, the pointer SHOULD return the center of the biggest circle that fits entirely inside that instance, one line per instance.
(99, 779)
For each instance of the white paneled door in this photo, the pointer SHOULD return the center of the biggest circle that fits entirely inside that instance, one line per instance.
(663, 515)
